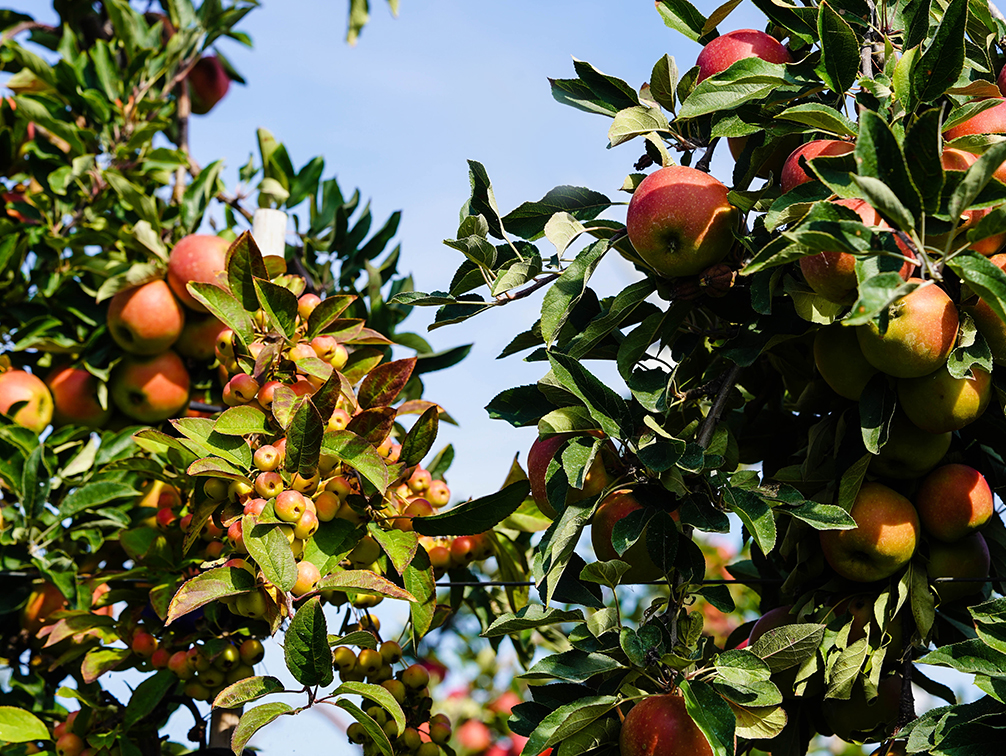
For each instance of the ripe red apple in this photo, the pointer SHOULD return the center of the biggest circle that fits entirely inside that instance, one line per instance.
(773, 164)
(840, 361)
(959, 160)
(833, 274)
(953, 501)
(538, 458)
(198, 338)
(617, 505)
(473, 736)
(727, 49)
(921, 331)
(660, 726)
(42, 602)
(150, 389)
(793, 173)
(28, 391)
(989, 324)
(938, 402)
(146, 319)
(75, 398)
(991, 121)
(196, 258)
(208, 83)
(910, 452)
(966, 558)
(884, 539)
(680, 221)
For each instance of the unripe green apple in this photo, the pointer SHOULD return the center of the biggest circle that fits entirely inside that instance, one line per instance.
(953, 501)
(909, 452)
(920, 333)
(661, 726)
(150, 389)
(252, 604)
(840, 361)
(616, 506)
(884, 539)
(680, 221)
(966, 558)
(939, 403)
(27, 390)
(145, 319)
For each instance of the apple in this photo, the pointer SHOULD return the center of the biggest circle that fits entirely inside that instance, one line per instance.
(538, 458)
(308, 576)
(290, 505)
(773, 618)
(833, 274)
(884, 539)
(938, 402)
(990, 325)
(306, 305)
(793, 172)
(617, 505)
(27, 390)
(144, 644)
(840, 361)
(959, 160)
(921, 331)
(967, 557)
(473, 736)
(307, 525)
(240, 389)
(909, 452)
(69, 744)
(680, 221)
(953, 501)
(660, 726)
(150, 389)
(42, 601)
(75, 398)
(727, 49)
(198, 339)
(268, 485)
(146, 319)
(773, 163)
(991, 121)
(856, 715)
(208, 83)
(267, 458)
(197, 258)
(439, 494)
(251, 651)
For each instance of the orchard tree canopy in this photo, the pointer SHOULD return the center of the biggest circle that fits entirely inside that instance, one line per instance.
(214, 430)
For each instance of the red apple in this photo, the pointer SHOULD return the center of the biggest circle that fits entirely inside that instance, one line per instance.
(196, 258)
(728, 48)
(75, 398)
(660, 726)
(617, 505)
(953, 501)
(146, 319)
(793, 173)
(921, 331)
(680, 221)
(991, 121)
(28, 391)
(198, 338)
(989, 324)
(150, 389)
(833, 274)
(959, 160)
(208, 83)
(473, 736)
(884, 539)
(538, 458)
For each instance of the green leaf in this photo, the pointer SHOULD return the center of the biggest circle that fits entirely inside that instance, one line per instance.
(254, 720)
(271, 551)
(280, 305)
(208, 586)
(571, 666)
(378, 695)
(354, 451)
(420, 438)
(304, 440)
(941, 64)
(400, 546)
(566, 721)
(384, 383)
(976, 178)
(606, 407)
(820, 118)
(638, 120)
(971, 657)
(241, 421)
(565, 293)
(225, 307)
(788, 646)
(879, 156)
(747, 80)
(247, 690)
(839, 50)
(20, 726)
(712, 714)
(420, 581)
(98, 661)
(363, 581)
(821, 516)
(876, 410)
(94, 495)
(375, 732)
(664, 82)
(683, 17)
(528, 220)
(148, 695)
(984, 277)
(475, 516)
(755, 514)
(922, 154)
(530, 617)
(305, 647)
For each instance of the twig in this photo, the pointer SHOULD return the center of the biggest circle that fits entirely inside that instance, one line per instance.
(24, 26)
(705, 434)
(201, 407)
(707, 159)
(184, 111)
(198, 732)
(539, 283)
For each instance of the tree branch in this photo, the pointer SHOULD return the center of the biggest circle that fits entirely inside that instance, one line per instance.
(708, 427)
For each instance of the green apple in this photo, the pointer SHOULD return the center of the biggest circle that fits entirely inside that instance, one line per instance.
(939, 403)
(840, 361)
(910, 452)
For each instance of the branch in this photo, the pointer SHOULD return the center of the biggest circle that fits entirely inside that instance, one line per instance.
(708, 427)
(539, 283)
(184, 111)
(24, 26)
(703, 164)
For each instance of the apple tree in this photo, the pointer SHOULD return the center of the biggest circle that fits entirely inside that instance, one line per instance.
(205, 437)
(808, 355)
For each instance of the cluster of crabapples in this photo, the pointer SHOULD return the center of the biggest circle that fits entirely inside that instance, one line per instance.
(423, 734)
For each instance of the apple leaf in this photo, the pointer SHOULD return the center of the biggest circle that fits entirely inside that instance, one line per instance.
(566, 721)
(244, 265)
(373, 425)
(98, 661)
(420, 582)
(475, 516)
(240, 421)
(306, 649)
(354, 451)
(324, 315)
(227, 309)
(712, 714)
(247, 690)
(420, 438)
(254, 720)
(280, 305)
(787, 646)
(363, 581)
(304, 440)
(148, 695)
(375, 731)
(208, 586)
(385, 382)
(270, 549)
(378, 695)
(20, 726)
